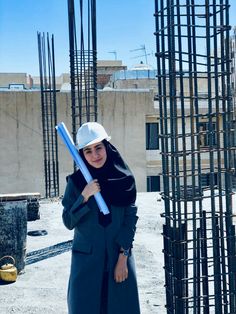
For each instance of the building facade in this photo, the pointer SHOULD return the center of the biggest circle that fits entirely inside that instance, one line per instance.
(129, 112)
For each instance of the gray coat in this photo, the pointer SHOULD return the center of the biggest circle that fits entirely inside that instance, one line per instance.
(91, 244)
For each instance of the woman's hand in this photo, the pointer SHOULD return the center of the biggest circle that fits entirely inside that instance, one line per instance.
(90, 189)
(121, 269)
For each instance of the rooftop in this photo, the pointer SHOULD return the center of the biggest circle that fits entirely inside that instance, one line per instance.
(42, 288)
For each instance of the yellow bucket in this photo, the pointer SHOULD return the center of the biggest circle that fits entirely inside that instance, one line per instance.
(8, 272)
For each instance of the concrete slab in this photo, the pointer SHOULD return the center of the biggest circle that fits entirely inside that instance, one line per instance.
(42, 288)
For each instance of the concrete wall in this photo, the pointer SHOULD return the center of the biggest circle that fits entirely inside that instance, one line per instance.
(21, 141)
(134, 84)
(138, 82)
(123, 115)
(21, 155)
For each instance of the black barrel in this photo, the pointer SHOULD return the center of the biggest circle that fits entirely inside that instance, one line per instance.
(13, 231)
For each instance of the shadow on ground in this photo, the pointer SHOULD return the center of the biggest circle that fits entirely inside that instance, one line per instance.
(50, 251)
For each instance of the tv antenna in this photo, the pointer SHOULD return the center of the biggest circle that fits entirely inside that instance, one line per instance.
(114, 52)
(145, 54)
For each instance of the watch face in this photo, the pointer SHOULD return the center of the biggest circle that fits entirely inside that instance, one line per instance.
(126, 253)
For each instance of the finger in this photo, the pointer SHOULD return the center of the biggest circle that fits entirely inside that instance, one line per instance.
(95, 182)
(118, 279)
(97, 187)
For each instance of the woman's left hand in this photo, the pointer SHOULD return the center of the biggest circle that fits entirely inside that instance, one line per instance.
(121, 269)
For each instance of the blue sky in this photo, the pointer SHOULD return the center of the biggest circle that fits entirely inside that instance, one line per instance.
(122, 26)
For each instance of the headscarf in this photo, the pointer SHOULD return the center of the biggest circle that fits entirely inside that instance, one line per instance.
(116, 181)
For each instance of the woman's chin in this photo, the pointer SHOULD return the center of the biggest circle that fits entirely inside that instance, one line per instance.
(98, 165)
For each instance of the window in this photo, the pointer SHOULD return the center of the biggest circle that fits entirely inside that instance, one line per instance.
(234, 137)
(205, 179)
(207, 136)
(153, 183)
(152, 138)
(234, 182)
(16, 86)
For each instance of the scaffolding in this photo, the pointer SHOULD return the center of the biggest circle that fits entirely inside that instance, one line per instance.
(49, 113)
(83, 63)
(197, 148)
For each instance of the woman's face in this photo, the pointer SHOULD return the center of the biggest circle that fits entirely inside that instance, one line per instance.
(95, 154)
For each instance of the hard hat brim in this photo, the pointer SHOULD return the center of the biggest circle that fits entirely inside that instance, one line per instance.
(97, 140)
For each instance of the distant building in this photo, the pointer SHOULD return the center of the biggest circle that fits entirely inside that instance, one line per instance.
(128, 109)
(233, 85)
(16, 81)
(105, 70)
(61, 81)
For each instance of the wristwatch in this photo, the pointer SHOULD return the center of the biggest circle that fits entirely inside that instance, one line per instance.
(125, 252)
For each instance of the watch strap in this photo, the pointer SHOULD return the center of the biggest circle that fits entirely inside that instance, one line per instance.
(125, 252)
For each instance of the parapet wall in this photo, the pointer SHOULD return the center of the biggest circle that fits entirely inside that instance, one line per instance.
(21, 141)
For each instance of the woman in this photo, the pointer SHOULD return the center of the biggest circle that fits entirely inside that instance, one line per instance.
(102, 278)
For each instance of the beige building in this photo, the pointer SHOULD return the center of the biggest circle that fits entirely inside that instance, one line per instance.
(20, 81)
(129, 113)
(14, 81)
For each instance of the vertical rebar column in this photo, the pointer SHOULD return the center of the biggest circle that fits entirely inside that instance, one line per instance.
(83, 62)
(197, 148)
(49, 113)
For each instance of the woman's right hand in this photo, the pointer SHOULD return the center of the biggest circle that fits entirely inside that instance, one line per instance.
(90, 189)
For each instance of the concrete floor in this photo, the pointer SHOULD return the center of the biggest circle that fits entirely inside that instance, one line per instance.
(42, 288)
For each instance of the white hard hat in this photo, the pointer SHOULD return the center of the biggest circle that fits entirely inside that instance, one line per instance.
(90, 133)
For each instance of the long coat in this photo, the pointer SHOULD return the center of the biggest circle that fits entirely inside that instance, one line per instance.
(92, 245)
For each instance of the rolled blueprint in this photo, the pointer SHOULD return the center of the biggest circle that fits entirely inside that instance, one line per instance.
(66, 138)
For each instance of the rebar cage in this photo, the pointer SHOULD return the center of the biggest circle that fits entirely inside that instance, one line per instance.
(49, 113)
(83, 62)
(196, 132)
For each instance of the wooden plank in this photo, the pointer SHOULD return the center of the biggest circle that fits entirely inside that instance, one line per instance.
(19, 196)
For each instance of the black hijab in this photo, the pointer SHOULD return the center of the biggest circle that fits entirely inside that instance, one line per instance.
(115, 178)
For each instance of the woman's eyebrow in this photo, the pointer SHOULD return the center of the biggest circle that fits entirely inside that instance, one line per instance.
(97, 146)
(87, 149)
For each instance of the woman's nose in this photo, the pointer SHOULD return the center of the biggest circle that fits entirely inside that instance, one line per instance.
(95, 154)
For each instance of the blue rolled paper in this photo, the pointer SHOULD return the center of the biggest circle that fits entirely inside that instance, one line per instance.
(66, 138)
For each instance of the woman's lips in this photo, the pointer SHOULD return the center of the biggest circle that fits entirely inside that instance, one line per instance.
(98, 160)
